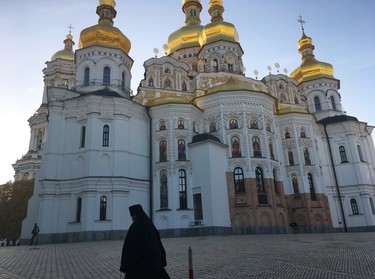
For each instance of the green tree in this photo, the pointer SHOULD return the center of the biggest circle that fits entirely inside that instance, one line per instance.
(14, 197)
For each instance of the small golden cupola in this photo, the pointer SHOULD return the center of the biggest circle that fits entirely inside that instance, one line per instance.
(104, 33)
(67, 53)
(310, 68)
(219, 29)
(190, 34)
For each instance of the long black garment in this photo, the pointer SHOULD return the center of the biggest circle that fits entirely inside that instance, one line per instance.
(143, 254)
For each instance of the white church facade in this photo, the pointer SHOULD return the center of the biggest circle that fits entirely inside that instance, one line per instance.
(203, 148)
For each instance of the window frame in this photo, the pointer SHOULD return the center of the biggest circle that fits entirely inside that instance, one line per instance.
(343, 157)
(103, 208)
(105, 141)
(239, 181)
(317, 104)
(106, 76)
(182, 188)
(354, 206)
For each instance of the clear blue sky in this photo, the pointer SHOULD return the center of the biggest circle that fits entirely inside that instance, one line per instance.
(343, 32)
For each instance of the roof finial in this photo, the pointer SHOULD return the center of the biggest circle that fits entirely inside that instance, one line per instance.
(300, 20)
(70, 28)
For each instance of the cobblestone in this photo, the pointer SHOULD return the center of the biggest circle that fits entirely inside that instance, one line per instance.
(345, 255)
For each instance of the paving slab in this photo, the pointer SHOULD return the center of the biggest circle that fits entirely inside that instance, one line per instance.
(336, 255)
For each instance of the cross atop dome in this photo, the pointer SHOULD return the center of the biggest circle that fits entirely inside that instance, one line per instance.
(302, 22)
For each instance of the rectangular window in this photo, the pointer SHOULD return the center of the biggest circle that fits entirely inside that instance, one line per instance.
(83, 136)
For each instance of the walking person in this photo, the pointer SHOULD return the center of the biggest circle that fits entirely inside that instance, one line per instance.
(143, 254)
(35, 233)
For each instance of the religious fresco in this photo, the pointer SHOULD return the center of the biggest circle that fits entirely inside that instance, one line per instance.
(233, 124)
(163, 151)
(236, 148)
(290, 157)
(256, 147)
(181, 150)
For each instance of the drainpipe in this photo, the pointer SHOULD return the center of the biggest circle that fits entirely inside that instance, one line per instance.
(151, 181)
(335, 176)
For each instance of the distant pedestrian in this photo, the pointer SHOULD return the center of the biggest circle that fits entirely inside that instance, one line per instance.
(143, 254)
(35, 233)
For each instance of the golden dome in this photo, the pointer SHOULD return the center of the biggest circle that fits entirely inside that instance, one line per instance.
(233, 85)
(67, 53)
(185, 37)
(219, 29)
(310, 68)
(190, 34)
(107, 2)
(168, 100)
(104, 33)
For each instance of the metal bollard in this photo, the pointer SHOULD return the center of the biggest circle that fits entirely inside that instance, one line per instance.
(190, 263)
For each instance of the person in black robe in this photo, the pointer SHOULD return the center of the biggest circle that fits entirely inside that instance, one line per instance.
(143, 254)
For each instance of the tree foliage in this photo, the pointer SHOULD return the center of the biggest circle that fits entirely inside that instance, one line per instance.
(14, 197)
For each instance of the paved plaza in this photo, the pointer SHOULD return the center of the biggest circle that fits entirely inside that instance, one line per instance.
(345, 255)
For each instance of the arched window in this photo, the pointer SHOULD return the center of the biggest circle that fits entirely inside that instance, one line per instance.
(83, 136)
(182, 188)
(123, 81)
(354, 206)
(212, 127)
(256, 148)
(303, 133)
(106, 76)
(360, 153)
(372, 206)
(306, 155)
(239, 183)
(295, 185)
(215, 64)
(183, 86)
(262, 195)
(317, 104)
(296, 100)
(86, 78)
(270, 146)
(105, 135)
(236, 147)
(290, 157)
(233, 124)
(79, 209)
(311, 186)
(181, 150)
(333, 103)
(162, 125)
(163, 189)
(181, 124)
(343, 154)
(259, 180)
(103, 208)
(287, 133)
(163, 151)
(275, 181)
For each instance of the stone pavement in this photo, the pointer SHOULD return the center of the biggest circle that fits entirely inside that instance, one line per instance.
(350, 255)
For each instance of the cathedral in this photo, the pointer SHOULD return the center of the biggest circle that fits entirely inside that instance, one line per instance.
(203, 148)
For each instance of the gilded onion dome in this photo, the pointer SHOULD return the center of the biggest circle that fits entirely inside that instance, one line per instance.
(310, 68)
(104, 33)
(190, 34)
(219, 29)
(168, 100)
(67, 53)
